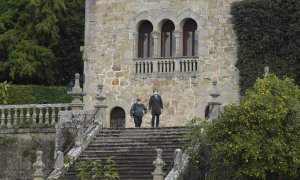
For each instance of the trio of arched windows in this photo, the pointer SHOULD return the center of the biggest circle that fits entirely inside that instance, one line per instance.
(168, 40)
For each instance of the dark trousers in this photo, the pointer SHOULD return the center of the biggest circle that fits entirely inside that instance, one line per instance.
(138, 121)
(155, 117)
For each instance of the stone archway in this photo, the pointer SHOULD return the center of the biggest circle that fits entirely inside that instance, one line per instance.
(117, 118)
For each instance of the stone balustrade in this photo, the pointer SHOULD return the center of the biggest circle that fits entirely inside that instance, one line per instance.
(30, 115)
(171, 65)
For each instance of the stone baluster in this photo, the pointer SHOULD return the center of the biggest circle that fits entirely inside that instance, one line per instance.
(15, 124)
(28, 115)
(21, 117)
(66, 108)
(77, 94)
(8, 117)
(2, 118)
(47, 116)
(213, 103)
(158, 173)
(155, 67)
(39, 167)
(34, 116)
(53, 115)
(40, 115)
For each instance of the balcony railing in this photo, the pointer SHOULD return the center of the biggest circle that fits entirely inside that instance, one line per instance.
(173, 65)
(30, 115)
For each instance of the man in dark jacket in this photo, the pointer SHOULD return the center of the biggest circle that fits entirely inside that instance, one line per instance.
(156, 107)
(137, 111)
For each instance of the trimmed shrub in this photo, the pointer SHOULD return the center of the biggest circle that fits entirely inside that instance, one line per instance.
(34, 94)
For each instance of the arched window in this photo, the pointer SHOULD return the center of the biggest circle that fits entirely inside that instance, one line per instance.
(190, 38)
(168, 44)
(145, 44)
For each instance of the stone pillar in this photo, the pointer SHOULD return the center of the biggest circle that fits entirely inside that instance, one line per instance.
(214, 104)
(77, 94)
(156, 49)
(177, 35)
(100, 106)
(158, 173)
(39, 167)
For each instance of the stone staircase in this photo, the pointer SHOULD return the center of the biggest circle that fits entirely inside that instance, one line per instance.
(134, 150)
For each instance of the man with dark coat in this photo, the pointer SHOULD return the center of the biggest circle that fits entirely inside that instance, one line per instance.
(156, 107)
(137, 112)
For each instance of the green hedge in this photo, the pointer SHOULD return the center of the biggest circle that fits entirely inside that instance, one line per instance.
(268, 34)
(34, 94)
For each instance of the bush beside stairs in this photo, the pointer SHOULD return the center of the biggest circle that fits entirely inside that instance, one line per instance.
(134, 150)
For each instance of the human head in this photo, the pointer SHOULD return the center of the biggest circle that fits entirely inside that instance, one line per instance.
(138, 100)
(155, 91)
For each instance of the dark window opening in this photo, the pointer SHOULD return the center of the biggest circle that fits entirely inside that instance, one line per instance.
(190, 38)
(168, 41)
(145, 40)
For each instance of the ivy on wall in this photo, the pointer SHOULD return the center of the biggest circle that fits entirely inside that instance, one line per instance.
(268, 34)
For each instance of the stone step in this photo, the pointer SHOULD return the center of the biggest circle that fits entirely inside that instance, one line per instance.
(133, 150)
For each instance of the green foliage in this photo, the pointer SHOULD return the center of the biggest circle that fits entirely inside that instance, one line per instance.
(4, 92)
(68, 59)
(268, 34)
(5, 142)
(28, 31)
(256, 139)
(33, 94)
(95, 170)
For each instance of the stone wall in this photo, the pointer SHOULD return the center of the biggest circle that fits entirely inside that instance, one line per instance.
(110, 50)
(18, 151)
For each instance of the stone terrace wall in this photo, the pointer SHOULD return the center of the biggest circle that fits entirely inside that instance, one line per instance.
(18, 151)
(110, 51)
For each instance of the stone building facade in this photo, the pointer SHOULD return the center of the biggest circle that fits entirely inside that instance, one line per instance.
(176, 46)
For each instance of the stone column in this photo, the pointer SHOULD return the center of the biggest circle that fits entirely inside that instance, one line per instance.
(100, 106)
(39, 167)
(214, 104)
(177, 35)
(158, 173)
(77, 94)
(156, 49)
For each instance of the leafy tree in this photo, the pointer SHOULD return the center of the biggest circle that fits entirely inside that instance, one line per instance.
(28, 31)
(68, 58)
(258, 138)
(4, 92)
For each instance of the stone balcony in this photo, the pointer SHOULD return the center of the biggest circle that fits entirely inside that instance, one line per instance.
(172, 67)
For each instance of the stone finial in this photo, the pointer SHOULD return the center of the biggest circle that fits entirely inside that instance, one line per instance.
(158, 173)
(59, 160)
(80, 136)
(177, 158)
(214, 93)
(266, 70)
(213, 108)
(77, 94)
(39, 167)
